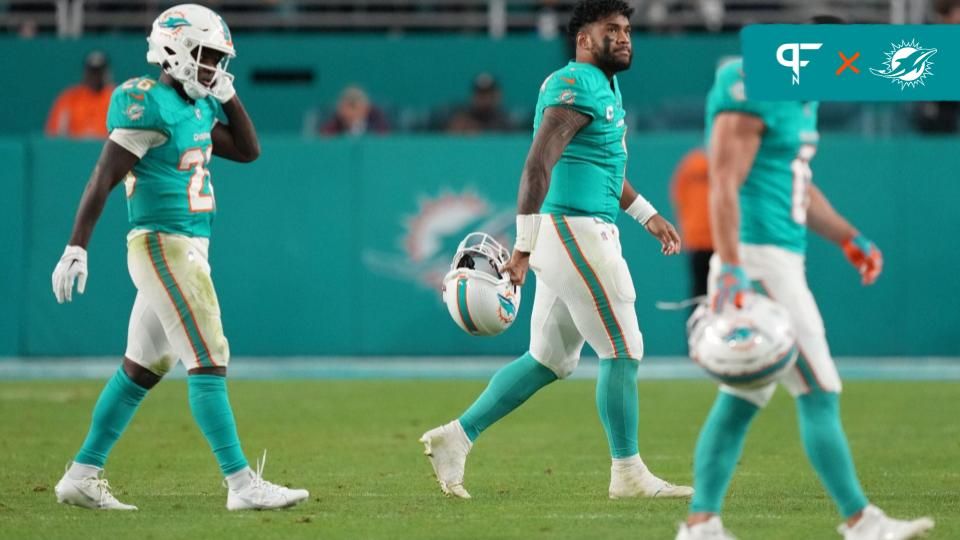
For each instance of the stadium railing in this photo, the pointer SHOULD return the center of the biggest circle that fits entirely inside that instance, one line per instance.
(494, 17)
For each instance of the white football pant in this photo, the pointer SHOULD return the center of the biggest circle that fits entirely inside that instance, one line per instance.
(584, 293)
(176, 314)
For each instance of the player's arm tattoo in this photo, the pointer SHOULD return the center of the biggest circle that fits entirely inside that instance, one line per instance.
(557, 128)
(238, 140)
(113, 165)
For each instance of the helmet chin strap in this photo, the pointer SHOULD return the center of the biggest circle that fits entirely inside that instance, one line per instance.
(195, 90)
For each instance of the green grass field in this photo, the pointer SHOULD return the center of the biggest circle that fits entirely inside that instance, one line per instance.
(541, 473)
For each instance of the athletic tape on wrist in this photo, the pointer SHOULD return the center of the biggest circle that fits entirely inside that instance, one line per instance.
(641, 210)
(528, 226)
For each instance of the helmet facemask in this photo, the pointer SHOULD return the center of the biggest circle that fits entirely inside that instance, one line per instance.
(185, 68)
(480, 252)
(192, 85)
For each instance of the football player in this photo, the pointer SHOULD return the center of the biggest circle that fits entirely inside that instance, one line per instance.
(163, 133)
(571, 190)
(762, 200)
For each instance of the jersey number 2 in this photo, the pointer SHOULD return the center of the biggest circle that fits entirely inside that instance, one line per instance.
(197, 159)
(802, 177)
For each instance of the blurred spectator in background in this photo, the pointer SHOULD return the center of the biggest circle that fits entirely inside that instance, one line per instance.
(548, 20)
(939, 116)
(690, 191)
(81, 111)
(947, 11)
(355, 115)
(484, 112)
(27, 29)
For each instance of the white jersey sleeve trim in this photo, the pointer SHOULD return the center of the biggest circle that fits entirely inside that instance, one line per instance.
(137, 141)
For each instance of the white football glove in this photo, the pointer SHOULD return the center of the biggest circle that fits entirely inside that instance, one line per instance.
(72, 266)
(223, 90)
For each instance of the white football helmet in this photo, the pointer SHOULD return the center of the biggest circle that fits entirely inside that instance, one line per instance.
(174, 36)
(747, 347)
(479, 297)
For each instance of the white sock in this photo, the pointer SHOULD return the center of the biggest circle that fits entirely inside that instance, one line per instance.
(240, 479)
(458, 427)
(622, 464)
(79, 471)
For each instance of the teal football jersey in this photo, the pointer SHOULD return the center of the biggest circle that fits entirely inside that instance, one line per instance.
(169, 189)
(588, 178)
(775, 195)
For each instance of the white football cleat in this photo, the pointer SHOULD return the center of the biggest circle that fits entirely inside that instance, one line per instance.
(262, 495)
(91, 492)
(636, 480)
(712, 529)
(875, 525)
(447, 447)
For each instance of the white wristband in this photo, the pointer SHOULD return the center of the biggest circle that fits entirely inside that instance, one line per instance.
(641, 210)
(528, 226)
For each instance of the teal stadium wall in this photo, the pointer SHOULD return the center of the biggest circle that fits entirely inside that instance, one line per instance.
(13, 228)
(335, 247)
(414, 73)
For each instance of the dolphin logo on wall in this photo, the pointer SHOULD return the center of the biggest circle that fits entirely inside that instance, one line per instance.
(428, 238)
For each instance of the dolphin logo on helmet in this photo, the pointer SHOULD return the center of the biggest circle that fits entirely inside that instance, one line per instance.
(174, 21)
(509, 309)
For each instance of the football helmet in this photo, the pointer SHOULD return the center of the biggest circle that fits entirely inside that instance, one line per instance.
(747, 347)
(174, 36)
(481, 300)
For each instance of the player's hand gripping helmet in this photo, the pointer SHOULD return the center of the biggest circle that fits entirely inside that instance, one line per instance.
(175, 35)
(480, 298)
(747, 347)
